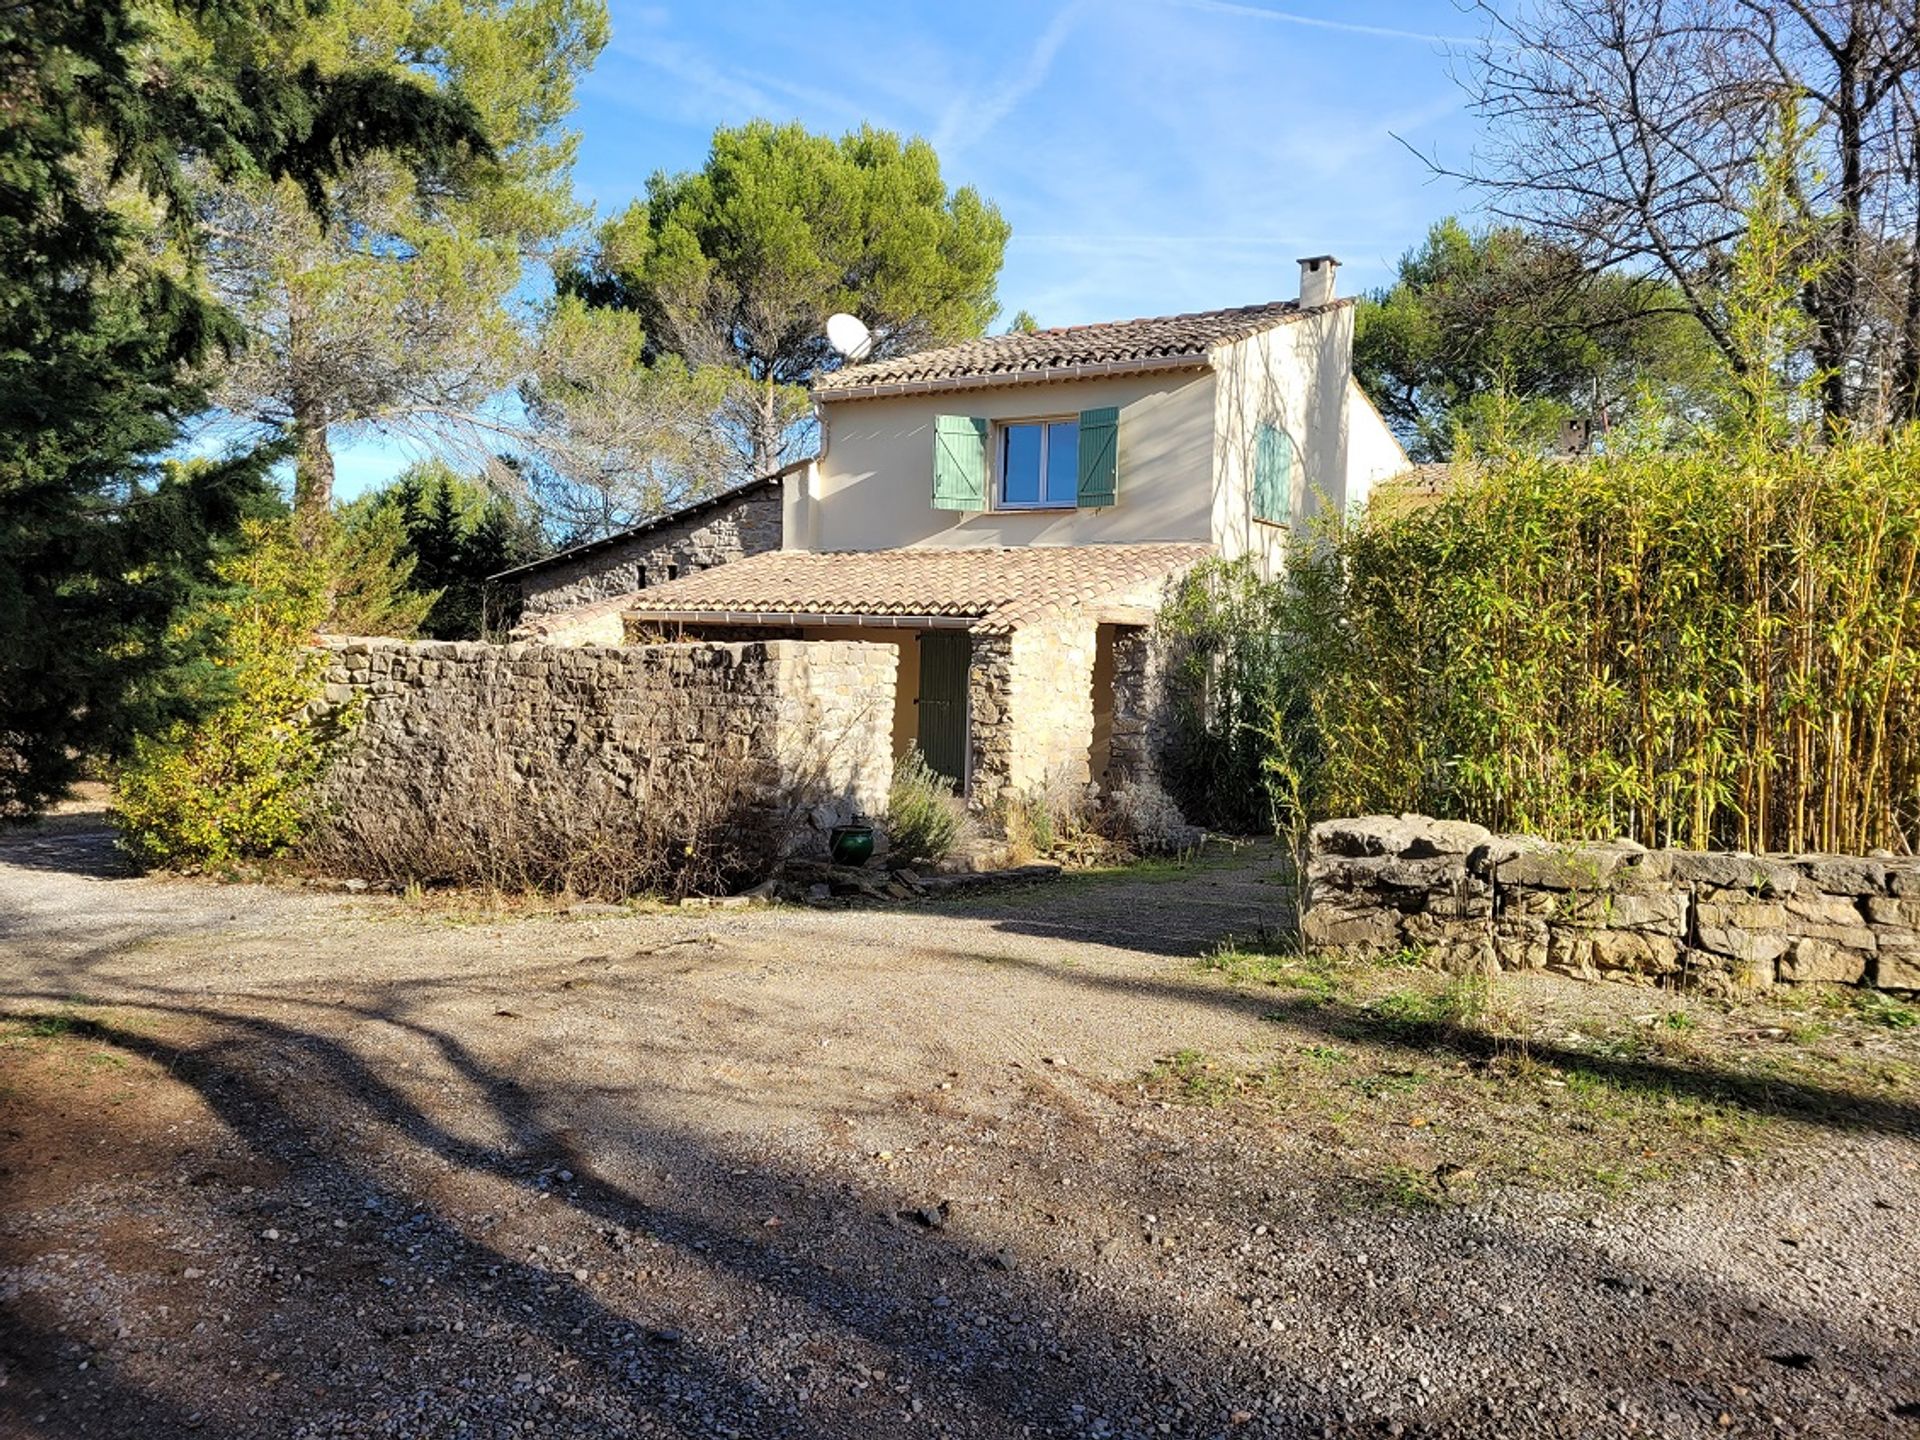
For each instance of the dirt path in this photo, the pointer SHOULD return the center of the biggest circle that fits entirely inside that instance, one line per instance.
(284, 1163)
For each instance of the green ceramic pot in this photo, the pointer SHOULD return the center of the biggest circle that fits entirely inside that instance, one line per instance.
(852, 844)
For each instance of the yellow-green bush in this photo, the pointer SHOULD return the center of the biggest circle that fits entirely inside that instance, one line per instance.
(237, 782)
(1714, 648)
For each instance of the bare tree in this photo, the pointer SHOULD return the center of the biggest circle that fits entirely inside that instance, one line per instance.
(1630, 130)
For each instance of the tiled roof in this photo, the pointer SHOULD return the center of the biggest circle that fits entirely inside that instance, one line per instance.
(993, 590)
(1112, 347)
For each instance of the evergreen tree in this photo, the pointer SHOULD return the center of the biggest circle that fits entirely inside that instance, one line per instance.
(102, 328)
(458, 534)
(737, 265)
(388, 304)
(1502, 330)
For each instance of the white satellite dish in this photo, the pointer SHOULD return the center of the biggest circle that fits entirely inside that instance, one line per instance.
(847, 335)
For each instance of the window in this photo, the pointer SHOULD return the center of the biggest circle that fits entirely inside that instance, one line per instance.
(1039, 464)
(1272, 499)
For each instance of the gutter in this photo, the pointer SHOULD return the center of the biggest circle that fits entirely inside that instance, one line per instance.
(881, 389)
(803, 618)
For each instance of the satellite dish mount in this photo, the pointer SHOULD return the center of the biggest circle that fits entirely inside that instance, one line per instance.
(849, 337)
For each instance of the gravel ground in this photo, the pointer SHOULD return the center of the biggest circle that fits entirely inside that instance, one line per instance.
(276, 1162)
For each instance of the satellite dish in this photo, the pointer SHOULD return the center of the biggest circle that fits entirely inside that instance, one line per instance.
(847, 335)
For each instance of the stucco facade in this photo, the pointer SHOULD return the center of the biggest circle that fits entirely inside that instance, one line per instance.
(1188, 438)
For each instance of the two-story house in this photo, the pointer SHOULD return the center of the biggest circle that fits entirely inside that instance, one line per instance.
(1010, 513)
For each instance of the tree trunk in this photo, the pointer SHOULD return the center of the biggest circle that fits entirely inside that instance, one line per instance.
(766, 440)
(312, 466)
(312, 460)
(1836, 308)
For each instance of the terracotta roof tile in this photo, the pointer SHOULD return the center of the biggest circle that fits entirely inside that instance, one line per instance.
(995, 589)
(1113, 346)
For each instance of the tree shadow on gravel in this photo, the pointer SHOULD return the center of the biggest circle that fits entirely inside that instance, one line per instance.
(1783, 1097)
(82, 845)
(895, 1296)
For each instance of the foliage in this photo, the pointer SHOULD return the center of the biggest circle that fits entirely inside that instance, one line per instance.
(738, 264)
(102, 322)
(1707, 649)
(1633, 132)
(621, 439)
(454, 534)
(390, 302)
(370, 575)
(1502, 314)
(707, 826)
(926, 821)
(1144, 818)
(238, 781)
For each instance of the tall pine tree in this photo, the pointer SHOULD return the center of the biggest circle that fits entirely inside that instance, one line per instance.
(102, 329)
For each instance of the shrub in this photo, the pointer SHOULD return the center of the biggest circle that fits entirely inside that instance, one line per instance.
(1144, 818)
(705, 827)
(926, 821)
(239, 781)
(1705, 648)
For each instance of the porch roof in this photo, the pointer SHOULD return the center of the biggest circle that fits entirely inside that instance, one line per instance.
(993, 590)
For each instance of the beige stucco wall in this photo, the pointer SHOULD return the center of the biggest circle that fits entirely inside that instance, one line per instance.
(1297, 375)
(1373, 454)
(872, 486)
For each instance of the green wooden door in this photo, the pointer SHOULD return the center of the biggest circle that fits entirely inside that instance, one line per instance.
(943, 702)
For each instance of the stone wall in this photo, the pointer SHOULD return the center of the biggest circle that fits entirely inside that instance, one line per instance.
(712, 534)
(809, 719)
(1473, 900)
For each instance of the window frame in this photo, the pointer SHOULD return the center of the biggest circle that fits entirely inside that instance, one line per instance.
(1294, 463)
(999, 459)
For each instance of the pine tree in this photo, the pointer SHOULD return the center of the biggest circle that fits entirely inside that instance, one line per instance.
(102, 329)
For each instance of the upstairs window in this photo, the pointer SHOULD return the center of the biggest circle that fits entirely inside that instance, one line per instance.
(1039, 463)
(1027, 464)
(1272, 474)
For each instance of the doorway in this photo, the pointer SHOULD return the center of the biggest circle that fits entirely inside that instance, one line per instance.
(942, 702)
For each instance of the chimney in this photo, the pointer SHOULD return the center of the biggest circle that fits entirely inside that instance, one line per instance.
(1316, 280)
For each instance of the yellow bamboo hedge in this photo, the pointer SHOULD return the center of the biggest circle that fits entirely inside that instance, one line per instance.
(1695, 649)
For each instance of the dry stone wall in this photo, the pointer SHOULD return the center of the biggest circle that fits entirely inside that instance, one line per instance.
(1472, 900)
(712, 535)
(812, 720)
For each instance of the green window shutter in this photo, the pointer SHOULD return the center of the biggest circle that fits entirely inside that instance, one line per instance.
(959, 463)
(1099, 458)
(1272, 474)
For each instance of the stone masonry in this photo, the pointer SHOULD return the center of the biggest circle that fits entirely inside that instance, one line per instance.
(1472, 900)
(706, 534)
(811, 719)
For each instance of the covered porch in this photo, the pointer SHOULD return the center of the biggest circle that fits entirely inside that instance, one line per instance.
(1018, 668)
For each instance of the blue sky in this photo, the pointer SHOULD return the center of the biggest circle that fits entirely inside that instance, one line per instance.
(1152, 156)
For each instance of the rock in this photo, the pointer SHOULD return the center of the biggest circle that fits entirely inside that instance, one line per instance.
(1366, 835)
(1843, 874)
(1337, 929)
(1728, 870)
(1568, 867)
(819, 891)
(1897, 970)
(1809, 961)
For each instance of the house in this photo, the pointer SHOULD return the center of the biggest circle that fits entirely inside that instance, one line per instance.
(716, 529)
(1009, 514)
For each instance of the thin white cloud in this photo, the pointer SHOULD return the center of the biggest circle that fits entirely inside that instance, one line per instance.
(1317, 22)
(971, 118)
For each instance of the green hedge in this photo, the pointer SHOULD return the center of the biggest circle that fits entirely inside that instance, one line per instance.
(1693, 649)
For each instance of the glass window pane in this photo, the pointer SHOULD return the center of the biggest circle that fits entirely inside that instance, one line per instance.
(1020, 465)
(1063, 462)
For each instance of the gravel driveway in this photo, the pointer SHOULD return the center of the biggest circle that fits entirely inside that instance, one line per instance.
(287, 1163)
